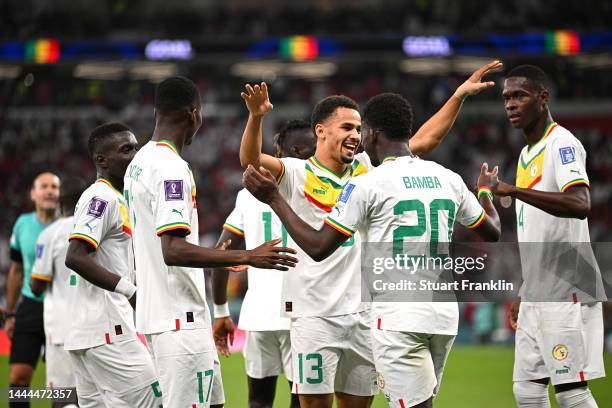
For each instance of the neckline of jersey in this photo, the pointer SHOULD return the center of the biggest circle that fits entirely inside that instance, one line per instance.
(108, 183)
(389, 158)
(547, 131)
(167, 143)
(320, 166)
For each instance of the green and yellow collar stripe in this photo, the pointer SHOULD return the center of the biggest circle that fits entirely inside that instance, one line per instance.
(576, 182)
(86, 238)
(339, 227)
(108, 183)
(41, 277)
(547, 132)
(168, 144)
(320, 166)
(173, 226)
(478, 221)
(233, 229)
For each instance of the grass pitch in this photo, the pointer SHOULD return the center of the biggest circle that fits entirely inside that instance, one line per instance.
(475, 376)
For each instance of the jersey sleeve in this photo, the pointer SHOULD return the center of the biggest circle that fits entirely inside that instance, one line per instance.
(94, 218)
(174, 201)
(470, 213)
(235, 221)
(15, 246)
(286, 179)
(350, 211)
(43, 263)
(569, 162)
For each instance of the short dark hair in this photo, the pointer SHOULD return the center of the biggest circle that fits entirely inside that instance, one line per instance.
(102, 132)
(289, 127)
(176, 93)
(327, 106)
(533, 73)
(71, 190)
(390, 113)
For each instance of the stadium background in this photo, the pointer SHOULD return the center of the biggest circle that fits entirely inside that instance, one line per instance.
(68, 66)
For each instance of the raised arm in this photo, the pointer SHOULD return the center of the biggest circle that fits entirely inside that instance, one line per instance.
(318, 244)
(431, 134)
(258, 103)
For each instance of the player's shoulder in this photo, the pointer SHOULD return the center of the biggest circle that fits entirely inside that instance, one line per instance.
(436, 169)
(560, 136)
(292, 162)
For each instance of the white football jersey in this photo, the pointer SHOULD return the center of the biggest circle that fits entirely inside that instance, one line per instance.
(50, 266)
(161, 195)
(257, 223)
(98, 316)
(556, 163)
(331, 287)
(420, 198)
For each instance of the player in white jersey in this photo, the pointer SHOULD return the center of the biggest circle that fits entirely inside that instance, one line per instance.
(331, 349)
(111, 365)
(410, 340)
(171, 307)
(559, 336)
(267, 350)
(50, 272)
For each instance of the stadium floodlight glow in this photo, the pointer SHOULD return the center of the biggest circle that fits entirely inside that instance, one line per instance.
(419, 46)
(270, 70)
(99, 70)
(9, 71)
(425, 66)
(152, 71)
(169, 49)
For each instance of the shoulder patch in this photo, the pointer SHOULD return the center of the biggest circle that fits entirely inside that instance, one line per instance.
(346, 193)
(568, 154)
(174, 190)
(97, 206)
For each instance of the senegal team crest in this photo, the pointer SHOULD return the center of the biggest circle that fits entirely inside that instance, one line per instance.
(560, 352)
(380, 381)
(534, 170)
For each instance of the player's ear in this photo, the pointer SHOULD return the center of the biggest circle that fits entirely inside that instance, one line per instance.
(544, 96)
(319, 130)
(101, 160)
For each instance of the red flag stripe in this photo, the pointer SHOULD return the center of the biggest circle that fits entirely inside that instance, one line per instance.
(574, 297)
(582, 376)
(177, 323)
(107, 337)
(401, 401)
(379, 324)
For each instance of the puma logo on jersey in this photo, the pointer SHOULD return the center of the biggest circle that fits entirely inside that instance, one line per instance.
(90, 227)
(575, 171)
(178, 212)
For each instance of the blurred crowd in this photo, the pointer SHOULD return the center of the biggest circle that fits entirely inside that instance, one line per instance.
(233, 18)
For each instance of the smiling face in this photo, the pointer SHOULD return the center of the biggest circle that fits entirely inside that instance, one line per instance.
(524, 101)
(340, 134)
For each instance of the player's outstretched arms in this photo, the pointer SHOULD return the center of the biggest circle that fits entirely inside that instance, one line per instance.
(431, 134)
(258, 103)
(572, 203)
(79, 259)
(490, 229)
(178, 252)
(318, 244)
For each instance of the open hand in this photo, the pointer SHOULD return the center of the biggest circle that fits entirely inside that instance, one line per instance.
(269, 256)
(473, 85)
(261, 183)
(256, 99)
